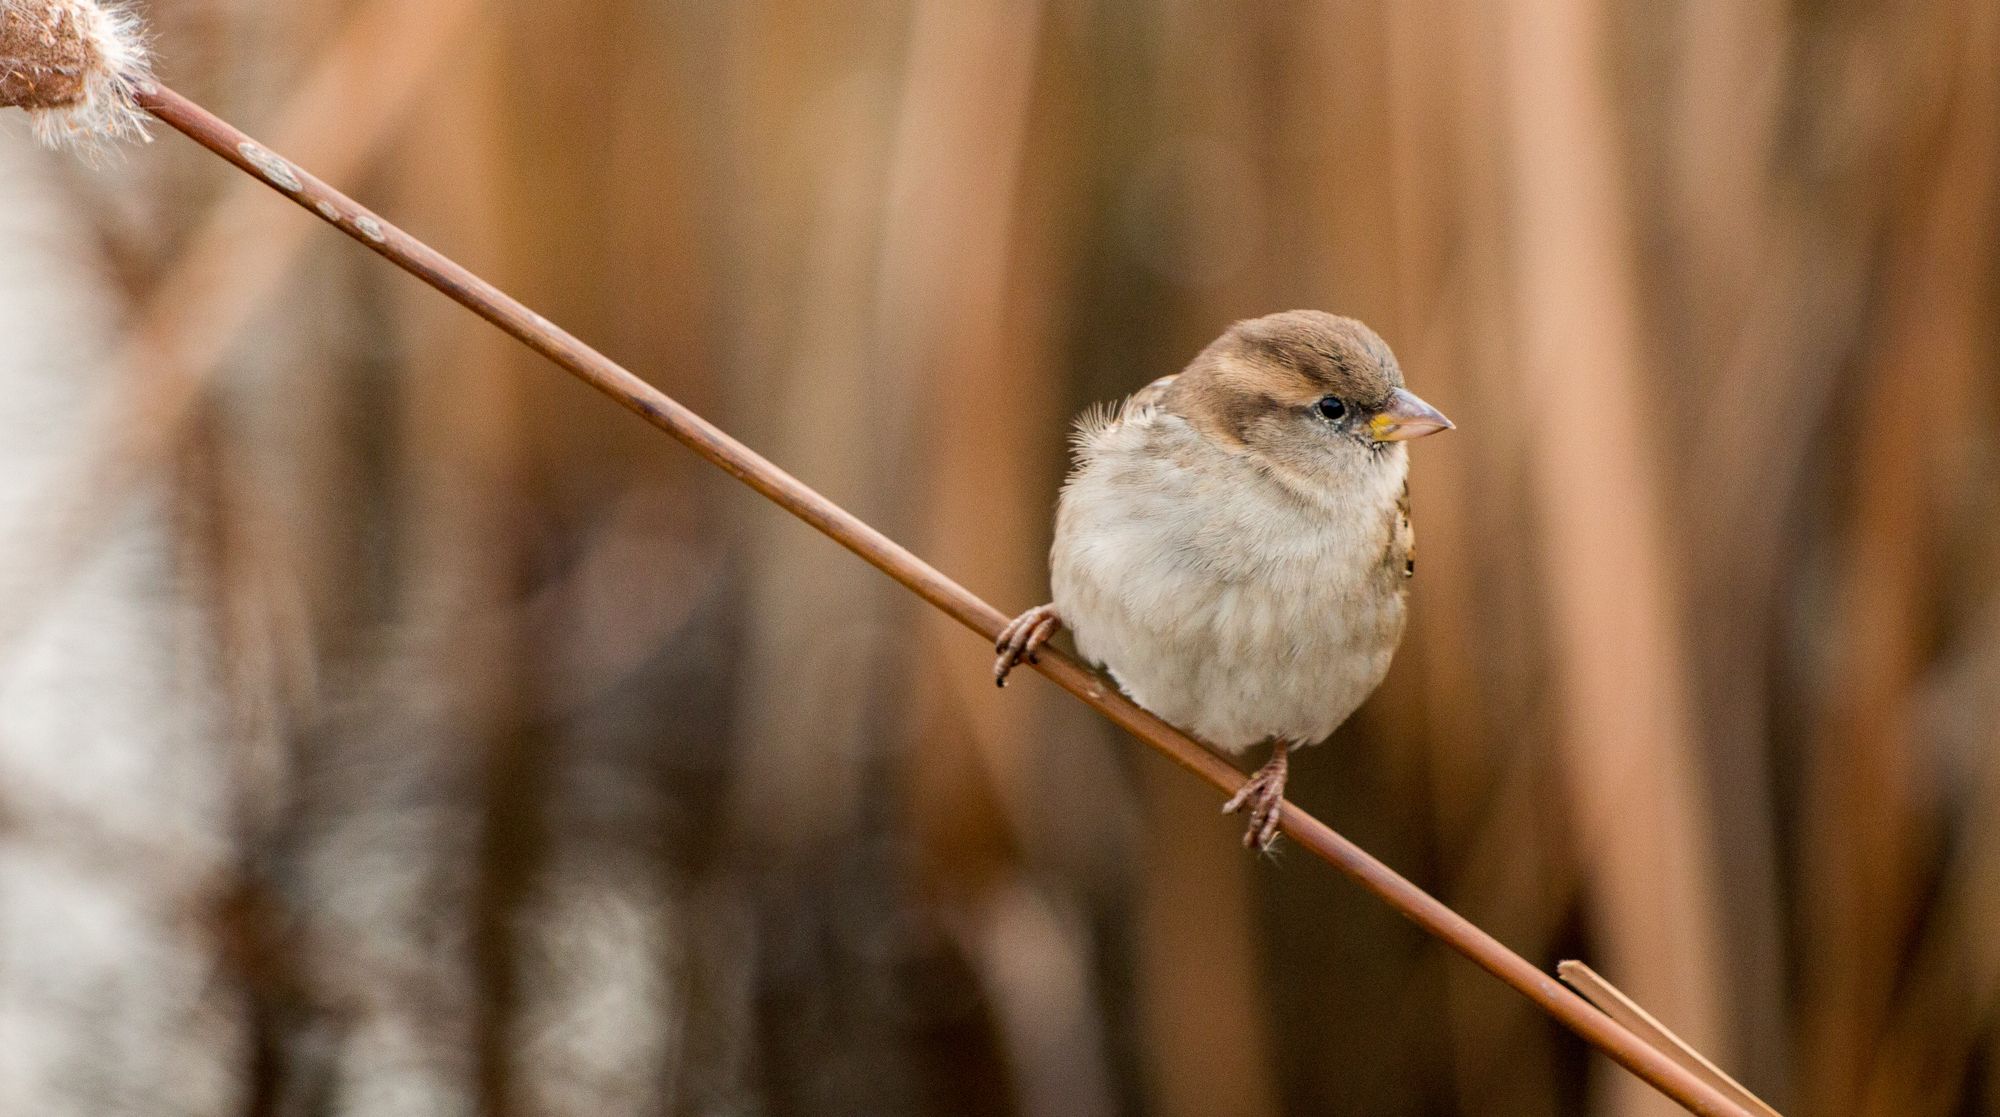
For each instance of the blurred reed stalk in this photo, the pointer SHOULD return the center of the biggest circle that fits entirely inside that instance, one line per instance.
(739, 461)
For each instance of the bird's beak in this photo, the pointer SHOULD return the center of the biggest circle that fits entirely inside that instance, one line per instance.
(1406, 417)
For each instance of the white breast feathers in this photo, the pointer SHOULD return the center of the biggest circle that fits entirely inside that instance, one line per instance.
(1223, 601)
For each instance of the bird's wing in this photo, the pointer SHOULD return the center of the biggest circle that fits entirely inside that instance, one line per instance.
(1402, 556)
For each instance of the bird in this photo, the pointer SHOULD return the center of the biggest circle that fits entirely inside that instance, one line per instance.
(1233, 544)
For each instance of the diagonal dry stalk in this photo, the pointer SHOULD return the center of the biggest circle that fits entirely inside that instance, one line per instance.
(1628, 1012)
(531, 329)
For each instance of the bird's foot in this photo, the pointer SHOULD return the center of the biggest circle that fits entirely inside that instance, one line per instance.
(1022, 638)
(1264, 795)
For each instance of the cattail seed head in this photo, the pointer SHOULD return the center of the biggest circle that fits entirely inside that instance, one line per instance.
(74, 66)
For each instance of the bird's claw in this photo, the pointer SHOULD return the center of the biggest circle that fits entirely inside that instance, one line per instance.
(1264, 794)
(1022, 638)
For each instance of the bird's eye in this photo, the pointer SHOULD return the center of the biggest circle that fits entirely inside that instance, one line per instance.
(1331, 409)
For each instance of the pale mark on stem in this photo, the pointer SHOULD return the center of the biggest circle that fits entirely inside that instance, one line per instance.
(271, 166)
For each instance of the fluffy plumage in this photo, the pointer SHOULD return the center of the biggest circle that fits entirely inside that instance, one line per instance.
(1233, 552)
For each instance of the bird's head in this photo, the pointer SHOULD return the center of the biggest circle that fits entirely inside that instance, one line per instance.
(1312, 395)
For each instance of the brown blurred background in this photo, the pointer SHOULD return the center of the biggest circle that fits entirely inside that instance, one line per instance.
(389, 725)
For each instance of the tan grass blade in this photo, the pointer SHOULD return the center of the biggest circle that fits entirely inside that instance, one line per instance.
(1641, 1023)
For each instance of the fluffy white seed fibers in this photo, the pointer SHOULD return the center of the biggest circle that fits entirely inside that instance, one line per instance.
(74, 65)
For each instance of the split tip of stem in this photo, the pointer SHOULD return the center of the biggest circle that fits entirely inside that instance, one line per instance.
(75, 66)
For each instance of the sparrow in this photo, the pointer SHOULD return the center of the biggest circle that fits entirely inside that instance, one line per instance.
(1233, 544)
